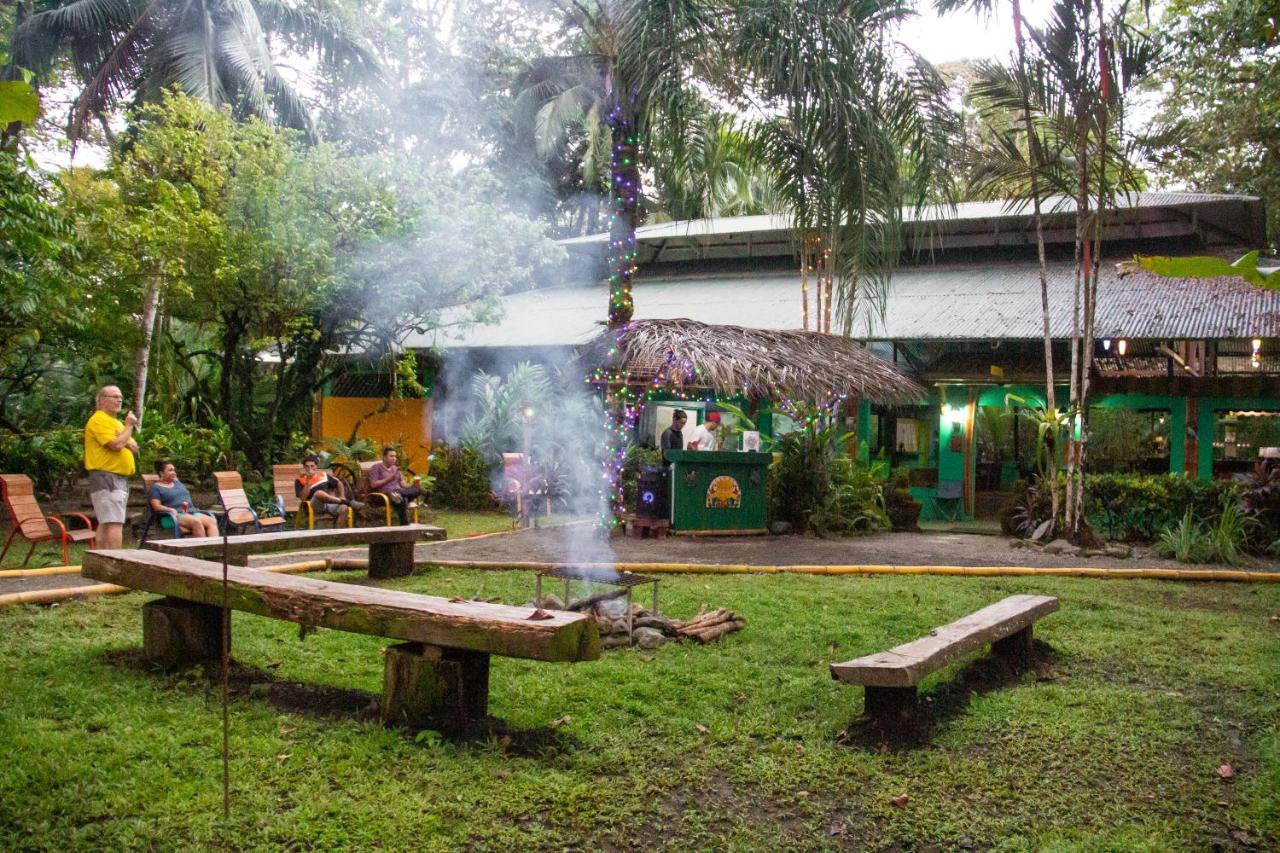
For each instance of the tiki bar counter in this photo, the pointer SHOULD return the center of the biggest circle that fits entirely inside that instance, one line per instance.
(718, 492)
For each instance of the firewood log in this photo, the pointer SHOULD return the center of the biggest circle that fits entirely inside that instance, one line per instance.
(699, 618)
(715, 631)
(707, 621)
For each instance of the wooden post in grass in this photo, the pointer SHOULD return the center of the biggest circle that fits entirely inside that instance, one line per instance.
(178, 633)
(430, 687)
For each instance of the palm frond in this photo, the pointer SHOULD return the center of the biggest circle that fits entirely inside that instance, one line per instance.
(333, 41)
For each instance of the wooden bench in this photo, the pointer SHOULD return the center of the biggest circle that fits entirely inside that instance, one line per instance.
(390, 548)
(439, 678)
(890, 677)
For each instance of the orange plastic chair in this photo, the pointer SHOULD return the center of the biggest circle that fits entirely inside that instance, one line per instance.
(30, 522)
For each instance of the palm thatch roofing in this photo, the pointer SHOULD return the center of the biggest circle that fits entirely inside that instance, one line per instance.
(756, 363)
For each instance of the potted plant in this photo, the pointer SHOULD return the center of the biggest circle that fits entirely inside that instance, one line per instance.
(904, 510)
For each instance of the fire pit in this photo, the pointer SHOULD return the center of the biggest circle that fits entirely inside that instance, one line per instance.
(624, 583)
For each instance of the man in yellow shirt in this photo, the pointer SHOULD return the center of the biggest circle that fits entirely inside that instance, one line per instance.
(108, 457)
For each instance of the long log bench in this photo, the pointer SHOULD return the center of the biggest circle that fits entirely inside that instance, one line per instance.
(438, 678)
(390, 548)
(891, 676)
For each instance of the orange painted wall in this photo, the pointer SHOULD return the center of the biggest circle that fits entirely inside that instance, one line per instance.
(405, 421)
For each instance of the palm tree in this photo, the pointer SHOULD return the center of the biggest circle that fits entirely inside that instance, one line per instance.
(853, 135)
(1068, 92)
(859, 128)
(213, 50)
(627, 68)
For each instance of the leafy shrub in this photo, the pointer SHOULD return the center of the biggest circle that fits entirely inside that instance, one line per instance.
(1190, 541)
(1138, 507)
(53, 459)
(461, 477)
(1029, 507)
(195, 451)
(853, 505)
(1261, 500)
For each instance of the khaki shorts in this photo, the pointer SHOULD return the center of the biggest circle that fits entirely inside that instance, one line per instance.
(110, 496)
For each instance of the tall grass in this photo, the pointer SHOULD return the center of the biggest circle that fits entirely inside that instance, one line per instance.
(1191, 541)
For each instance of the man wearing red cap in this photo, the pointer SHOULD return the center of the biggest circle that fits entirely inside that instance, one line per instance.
(704, 434)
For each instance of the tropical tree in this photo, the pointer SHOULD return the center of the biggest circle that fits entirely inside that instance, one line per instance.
(627, 66)
(218, 51)
(1069, 140)
(1216, 128)
(859, 129)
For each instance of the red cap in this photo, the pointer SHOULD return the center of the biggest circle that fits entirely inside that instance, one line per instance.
(714, 417)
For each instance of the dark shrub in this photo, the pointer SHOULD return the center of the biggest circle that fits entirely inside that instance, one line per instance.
(461, 477)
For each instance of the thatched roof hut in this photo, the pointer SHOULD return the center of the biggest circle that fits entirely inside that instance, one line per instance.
(757, 363)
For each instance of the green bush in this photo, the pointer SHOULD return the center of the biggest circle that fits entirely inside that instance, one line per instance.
(461, 477)
(854, 504)
(195, 451)
(1191, 541)
(53, 459)
(1138, 507)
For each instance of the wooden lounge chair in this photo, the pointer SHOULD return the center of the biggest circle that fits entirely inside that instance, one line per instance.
(303, 512)
(29, 521)
(240, 514)
(378, 499)
(151, 518)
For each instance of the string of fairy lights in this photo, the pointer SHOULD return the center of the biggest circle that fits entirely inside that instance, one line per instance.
(625, 399)
(625, 192)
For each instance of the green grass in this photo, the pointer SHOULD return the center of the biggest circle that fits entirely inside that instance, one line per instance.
(1114, 746)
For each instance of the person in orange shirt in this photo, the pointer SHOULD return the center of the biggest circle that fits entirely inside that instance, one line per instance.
(322, 488)
(109, 451)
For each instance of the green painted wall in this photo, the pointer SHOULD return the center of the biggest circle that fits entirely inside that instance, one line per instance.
(1206, 420)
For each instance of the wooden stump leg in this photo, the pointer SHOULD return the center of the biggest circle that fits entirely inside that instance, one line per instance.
(888, 705)
(390, 559)
(178, 633)
(1015, 648)
(429, 687)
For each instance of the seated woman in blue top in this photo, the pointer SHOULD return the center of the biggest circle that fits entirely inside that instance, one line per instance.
(169, 496)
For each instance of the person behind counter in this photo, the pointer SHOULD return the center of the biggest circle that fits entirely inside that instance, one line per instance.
(704, 434)
(672, 437)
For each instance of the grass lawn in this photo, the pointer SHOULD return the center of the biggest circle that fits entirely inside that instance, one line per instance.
(1114, 744)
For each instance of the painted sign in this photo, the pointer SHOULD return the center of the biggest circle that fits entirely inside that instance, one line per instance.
(724, 493)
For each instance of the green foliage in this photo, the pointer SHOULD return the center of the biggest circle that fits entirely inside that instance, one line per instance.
(1215, 128)
(351, 453)
(1245, 267)
(1190, 540)
(19, 102)
(854, 504)
(1136, 507)
(815, 485)
(53, 459)
(461, 476)
(223, 58)
(195, 451)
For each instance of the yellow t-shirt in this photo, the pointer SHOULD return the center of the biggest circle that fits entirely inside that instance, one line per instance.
(100, 429)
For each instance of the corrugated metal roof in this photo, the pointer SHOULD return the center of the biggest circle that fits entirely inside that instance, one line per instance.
(728, 226)
(961, 302)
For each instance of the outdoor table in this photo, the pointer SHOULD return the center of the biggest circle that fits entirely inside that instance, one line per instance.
(722, 493)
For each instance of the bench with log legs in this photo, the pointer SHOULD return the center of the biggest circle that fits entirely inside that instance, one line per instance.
(390, 548)
(438, 678)
(890, 677)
